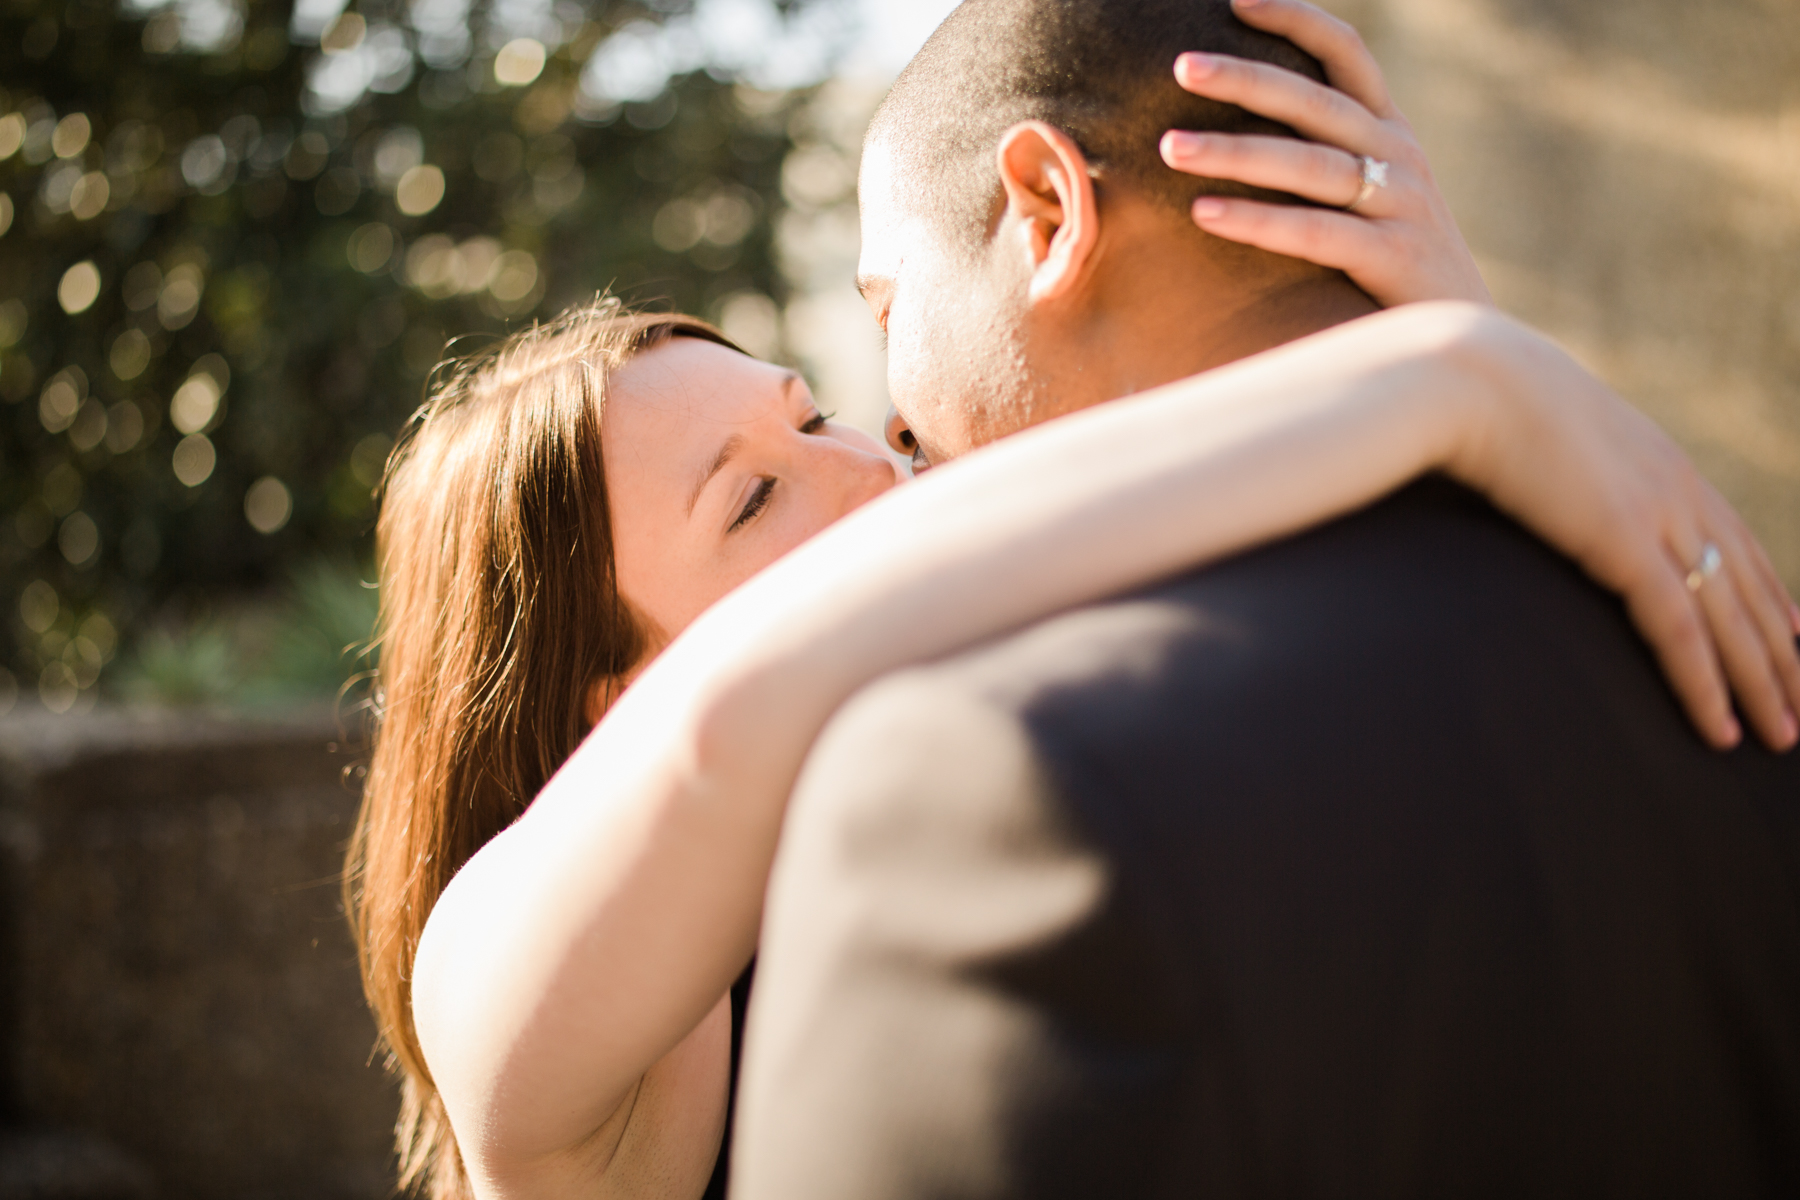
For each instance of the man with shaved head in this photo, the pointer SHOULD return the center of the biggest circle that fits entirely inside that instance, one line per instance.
(1377, 862)
(1076, 93)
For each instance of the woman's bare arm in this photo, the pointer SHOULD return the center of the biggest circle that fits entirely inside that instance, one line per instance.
(580, 946)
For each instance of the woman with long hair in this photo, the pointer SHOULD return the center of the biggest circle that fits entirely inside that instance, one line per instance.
(601, 669)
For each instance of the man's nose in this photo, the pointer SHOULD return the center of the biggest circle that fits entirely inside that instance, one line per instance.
(899, 433)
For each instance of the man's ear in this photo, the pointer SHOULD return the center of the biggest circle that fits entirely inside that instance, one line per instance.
(1050, 204)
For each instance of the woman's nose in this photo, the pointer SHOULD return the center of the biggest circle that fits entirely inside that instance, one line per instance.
(899, 433)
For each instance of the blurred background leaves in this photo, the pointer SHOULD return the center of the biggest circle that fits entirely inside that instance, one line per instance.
(235, 237)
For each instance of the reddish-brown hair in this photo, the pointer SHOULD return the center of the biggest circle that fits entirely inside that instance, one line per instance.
(499, 611)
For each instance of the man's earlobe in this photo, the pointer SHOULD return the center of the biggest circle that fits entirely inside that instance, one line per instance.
(1050, 206)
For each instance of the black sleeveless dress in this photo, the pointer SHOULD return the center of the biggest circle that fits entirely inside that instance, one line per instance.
(740, 1000)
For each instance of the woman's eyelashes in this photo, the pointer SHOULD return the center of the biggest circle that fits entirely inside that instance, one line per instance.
(759, 500)
(765, 488)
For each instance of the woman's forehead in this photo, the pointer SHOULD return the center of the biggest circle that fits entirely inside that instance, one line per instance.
(671, 410)
(690, 379)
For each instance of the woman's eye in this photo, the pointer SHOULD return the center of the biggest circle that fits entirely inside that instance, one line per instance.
(759, 500)
(815, 425)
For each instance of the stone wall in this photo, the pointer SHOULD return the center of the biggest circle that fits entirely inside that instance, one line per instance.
(182, 1015)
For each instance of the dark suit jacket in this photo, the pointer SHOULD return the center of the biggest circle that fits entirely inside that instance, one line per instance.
(1380, 862)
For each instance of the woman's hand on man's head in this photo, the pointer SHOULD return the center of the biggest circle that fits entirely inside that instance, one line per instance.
(1393, 233)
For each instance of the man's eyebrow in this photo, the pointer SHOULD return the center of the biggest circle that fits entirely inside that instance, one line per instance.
(732, 445)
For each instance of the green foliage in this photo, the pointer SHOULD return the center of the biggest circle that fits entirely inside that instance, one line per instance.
(198, 665)
(210, 399)
(313, 644)
(324, 636)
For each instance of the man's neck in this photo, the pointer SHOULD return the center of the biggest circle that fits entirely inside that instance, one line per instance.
(1273, 317)
(1170, 312)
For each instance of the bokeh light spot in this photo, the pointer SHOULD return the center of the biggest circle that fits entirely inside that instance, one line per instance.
(79, 540)
(753, 321)
(12, 134)
(14, 320)
(61, 399)
(268, 505)
(71, 135)
(130, 354)
(371, 248)
(79, 288)
(205, 162)
(194, 459)
(39, 606)
(195, 404)
(88, 429)
(62, 489)
(162, 33)
(87, 199)
(180, 296)
(369, 459)
(519, 62)
(420, 190)
(515, 275)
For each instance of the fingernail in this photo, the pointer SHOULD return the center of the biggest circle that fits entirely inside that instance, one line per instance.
(1734, 733)
(1790, 730)
(1208, 209)
(1197, 65)
(1179, 143)
(1245, 3)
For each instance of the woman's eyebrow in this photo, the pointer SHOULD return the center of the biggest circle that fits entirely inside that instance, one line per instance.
(732, 445)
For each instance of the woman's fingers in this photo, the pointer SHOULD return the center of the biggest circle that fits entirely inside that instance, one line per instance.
(1331, 239)
(1336, 44)
(1745, 658)
(1715, 556)
(1310, 109)
(1306, 169)
(1672, 621)
(1774, 616)
(1745, 655)
(1766, 608)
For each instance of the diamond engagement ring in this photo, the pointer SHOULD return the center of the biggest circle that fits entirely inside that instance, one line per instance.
(1374, 177)
(1708, 566)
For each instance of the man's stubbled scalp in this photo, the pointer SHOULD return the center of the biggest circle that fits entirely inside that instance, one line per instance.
(1100, 70)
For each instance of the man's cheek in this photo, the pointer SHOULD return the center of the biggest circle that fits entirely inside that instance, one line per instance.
(909, 383)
